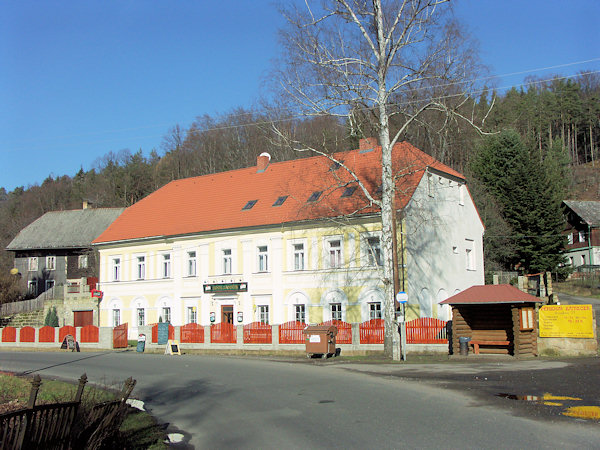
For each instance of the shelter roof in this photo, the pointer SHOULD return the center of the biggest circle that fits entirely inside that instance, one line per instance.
(489, 294)
(588, 211)
(280, 193)
(65, 229)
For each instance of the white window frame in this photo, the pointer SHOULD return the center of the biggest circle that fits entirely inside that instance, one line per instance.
(336, 311)
(583, 260)
(192, 314)
(116, 268)
(227, 261)
(51, 262)
(370, 257)
(32, 287)
(166, 265)
(581, 236)
(298, 256)
(374, 310)
(300, 312)
(116, 317)
(82, 261)
(192, 263)
(32, 264)
(262, 313)
(166, 314)
(471, 261)
(262, 258)
(141, 317)
(49, 284)
(461, 194)
(334, 255)
(140, 267)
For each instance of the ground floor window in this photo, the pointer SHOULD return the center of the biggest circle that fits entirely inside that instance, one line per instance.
(32, 287)
(263, 313)
(300, 313)
(336, 311)
(49, 284)
(116, 317)
(141, 317)
(374, 310)
(166, 314)
(192, 315)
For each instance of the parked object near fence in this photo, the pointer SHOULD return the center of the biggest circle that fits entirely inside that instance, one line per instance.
(344, 331)
(371, 331)
(67, 329)
(258, 333)
(192, 333)
(223, 333)
(426, 330)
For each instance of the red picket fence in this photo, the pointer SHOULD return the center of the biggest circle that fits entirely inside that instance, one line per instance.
(291, 333)
(27, 334)
(90, 333)
(344, 334)
(258, 333)
(9, 334)
(67, 329)
(155, 333)
(371, 331)
(47, 334)
(192, 333)
(223, 333)
(426, 330)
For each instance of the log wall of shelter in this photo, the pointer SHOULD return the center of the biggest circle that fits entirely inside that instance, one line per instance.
(490, 322)
(525, 340)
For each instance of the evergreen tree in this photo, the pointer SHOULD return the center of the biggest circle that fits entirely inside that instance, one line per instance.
(51, 317)
(529, 194)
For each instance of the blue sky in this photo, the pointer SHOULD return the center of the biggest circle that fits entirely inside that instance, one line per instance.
(81, 78)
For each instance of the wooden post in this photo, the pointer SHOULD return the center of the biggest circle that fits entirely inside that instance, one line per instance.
(35, 387)
(82, 382)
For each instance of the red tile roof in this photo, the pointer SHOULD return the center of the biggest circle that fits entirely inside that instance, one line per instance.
(214, 202)
(491, 293)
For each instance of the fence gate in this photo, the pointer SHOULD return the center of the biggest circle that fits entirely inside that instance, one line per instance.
(120, 336)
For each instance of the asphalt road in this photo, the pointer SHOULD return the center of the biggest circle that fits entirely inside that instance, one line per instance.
(567, 299)
(221, 402)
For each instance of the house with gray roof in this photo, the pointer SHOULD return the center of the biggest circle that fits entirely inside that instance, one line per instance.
(56, 248)
(582, 229)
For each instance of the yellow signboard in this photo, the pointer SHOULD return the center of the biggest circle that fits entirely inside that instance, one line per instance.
(569, 321)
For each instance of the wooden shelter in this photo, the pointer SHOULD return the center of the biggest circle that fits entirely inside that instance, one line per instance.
(499, 319)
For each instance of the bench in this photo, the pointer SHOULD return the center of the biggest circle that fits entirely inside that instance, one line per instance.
(477, 342)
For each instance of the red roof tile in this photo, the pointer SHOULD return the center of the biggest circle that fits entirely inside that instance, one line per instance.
(214, 202)
(491, 293)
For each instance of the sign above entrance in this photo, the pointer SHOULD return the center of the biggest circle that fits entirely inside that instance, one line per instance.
(225, 287)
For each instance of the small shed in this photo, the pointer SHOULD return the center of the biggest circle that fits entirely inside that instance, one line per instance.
(499, 319)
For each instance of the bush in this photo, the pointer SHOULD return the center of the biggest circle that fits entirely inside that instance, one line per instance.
(51, 319)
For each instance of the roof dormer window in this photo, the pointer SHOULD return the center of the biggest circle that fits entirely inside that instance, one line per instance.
(249, 205)
(336, 165)
(314, 196)
(348, 191)
(280, 200)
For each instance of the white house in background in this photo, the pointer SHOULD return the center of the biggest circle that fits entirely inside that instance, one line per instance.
(294, 240)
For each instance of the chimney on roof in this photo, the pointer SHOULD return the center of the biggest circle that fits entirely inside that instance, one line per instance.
(367, 143)
(262, 162)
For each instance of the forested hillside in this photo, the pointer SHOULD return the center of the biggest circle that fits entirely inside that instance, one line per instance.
(558, 119)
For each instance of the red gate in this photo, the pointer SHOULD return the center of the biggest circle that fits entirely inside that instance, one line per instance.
(120, 336)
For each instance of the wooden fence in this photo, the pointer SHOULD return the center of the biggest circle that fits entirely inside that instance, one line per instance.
(291, 333)
(258, 333)
(35, 304)
(426, 330)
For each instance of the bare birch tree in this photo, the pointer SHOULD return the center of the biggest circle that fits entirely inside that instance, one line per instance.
(370, 61)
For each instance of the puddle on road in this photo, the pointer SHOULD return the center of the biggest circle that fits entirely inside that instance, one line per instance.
(579, 412)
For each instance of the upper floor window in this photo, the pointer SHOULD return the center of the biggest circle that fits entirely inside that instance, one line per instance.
(298, 256)
(263, 258)
(582, 236)
(141, 267)
(191, 264)
(227, 261)
(116, 269)
(82, 261)
(461, 194)
(166, 266)
(374, 251)
(430, 186)
(32, 263)
(470, 255)
(335, 253)
(51, 262)
(570, 238)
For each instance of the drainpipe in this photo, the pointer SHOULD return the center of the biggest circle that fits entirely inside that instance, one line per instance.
(590, 245)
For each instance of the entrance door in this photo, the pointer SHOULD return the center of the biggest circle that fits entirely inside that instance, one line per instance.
(83, 318)
(227, 314)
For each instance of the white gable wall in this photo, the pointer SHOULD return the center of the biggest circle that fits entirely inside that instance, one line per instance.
(444, 244)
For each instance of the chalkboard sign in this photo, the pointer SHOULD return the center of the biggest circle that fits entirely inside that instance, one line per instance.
(163, 333)
(172, 348)
(69, 343)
